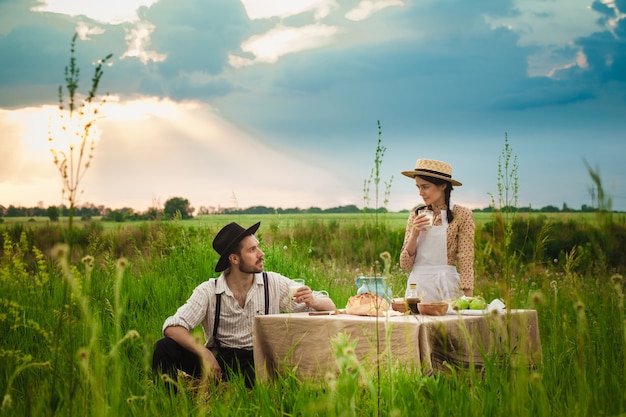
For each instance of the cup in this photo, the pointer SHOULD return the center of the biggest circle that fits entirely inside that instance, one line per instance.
(429, 215)
(321, 293)
(294, 285)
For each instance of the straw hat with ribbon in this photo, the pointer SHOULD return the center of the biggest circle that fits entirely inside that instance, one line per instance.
(432, 168)
(227, 240)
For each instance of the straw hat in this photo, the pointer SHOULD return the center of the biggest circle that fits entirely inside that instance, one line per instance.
(432, 168)
(227, 239)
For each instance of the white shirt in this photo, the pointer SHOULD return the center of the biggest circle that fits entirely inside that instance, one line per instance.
(235, 325)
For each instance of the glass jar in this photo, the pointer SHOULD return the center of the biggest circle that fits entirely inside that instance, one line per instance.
(374, 285)
(412, 298)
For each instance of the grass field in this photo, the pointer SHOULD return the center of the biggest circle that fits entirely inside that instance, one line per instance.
(77, 335)
(392, 219)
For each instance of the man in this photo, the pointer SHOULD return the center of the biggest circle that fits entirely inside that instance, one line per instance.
(226, 307)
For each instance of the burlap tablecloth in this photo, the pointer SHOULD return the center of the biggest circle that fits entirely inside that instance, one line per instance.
(301, 343)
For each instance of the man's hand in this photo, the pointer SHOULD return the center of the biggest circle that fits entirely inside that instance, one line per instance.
(305, 295)
(210, 367)
(181, 335)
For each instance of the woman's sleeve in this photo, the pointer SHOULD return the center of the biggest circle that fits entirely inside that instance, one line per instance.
(406, 260)
(465, 249)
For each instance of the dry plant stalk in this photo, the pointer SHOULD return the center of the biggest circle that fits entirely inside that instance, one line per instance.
(77, 117)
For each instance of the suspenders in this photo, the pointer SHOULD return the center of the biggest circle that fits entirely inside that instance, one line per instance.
(218, 302)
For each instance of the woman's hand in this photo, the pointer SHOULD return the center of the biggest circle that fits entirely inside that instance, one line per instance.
(419, 222)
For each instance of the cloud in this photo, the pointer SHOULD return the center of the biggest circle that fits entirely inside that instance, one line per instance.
(547, 28)
(366, 8)
(613, 16)
(601, 57)
(282, 40)
(138, 39)
(111, 11)
(286, 8)
(84, 31)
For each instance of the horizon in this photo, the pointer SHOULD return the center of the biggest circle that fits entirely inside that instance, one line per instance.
(584, 207)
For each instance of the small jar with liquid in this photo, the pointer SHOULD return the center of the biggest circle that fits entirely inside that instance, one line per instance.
(412, 298)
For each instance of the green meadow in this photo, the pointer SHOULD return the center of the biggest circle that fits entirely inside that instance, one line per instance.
(79, 324)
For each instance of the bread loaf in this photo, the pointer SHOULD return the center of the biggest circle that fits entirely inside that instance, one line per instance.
(367, 304)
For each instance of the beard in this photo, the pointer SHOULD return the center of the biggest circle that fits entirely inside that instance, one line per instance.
(250, 268)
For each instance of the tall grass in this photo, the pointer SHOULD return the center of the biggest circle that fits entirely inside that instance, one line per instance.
(375, 177)
(77, 335)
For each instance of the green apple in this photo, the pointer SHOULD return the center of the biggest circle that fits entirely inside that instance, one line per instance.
(477, 304)
(460, 304)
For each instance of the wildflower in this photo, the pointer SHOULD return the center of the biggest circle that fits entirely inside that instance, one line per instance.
(329, 377)
(132, 335)
(349, 350)
(7, 402)
(285, 247)
(617, 279)
(83, 359)
(88, 260)
(83, 355)
(385, 256)
(121, 263)
(537, 298)
(60, 251)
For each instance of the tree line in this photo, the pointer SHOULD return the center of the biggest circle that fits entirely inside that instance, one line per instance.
(176, 207)
(179, 207)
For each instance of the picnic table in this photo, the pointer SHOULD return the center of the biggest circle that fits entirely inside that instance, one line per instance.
(300, 342)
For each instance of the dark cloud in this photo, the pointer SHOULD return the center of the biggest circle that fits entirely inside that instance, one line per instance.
(606, 57)
(406, 82)
(37, 51)
(605, 51)
(31, 50)
(196, 37)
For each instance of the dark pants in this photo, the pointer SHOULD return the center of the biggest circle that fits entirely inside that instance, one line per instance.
(169, 356)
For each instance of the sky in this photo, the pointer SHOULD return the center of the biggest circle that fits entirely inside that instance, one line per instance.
(239, 103)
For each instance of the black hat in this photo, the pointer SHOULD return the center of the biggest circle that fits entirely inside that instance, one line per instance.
(227, 239)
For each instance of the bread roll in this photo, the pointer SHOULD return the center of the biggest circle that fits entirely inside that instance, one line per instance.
(367, 304)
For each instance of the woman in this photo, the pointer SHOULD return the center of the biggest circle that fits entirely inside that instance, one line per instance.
(432, 254)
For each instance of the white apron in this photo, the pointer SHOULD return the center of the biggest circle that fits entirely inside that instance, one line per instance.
(434, 278)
